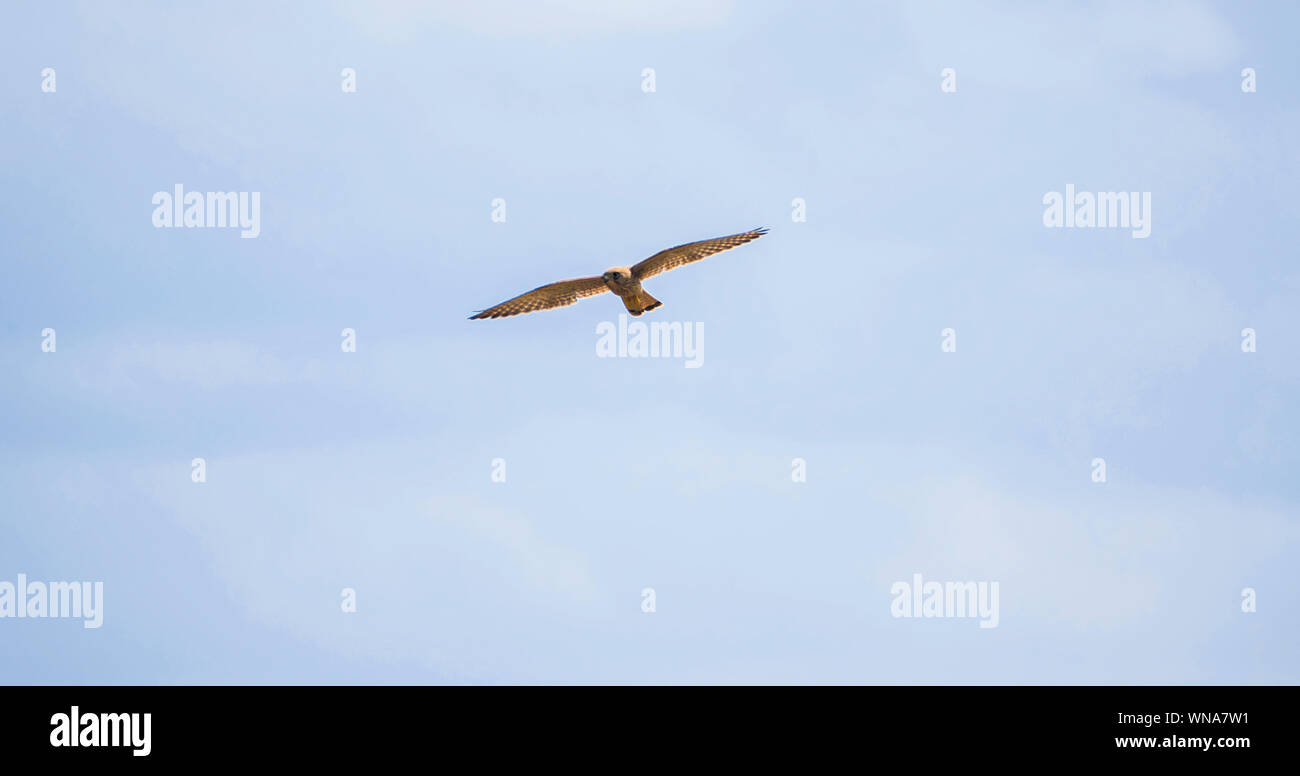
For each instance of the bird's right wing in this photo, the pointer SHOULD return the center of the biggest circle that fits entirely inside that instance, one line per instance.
(685, 254)
(561, 294)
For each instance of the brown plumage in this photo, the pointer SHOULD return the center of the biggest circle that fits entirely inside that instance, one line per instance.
(623, 281)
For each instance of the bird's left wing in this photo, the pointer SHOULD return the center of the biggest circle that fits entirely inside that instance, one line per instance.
(685, 254)
(560, 294)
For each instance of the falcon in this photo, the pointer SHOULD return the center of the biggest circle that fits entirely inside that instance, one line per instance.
(623, 281)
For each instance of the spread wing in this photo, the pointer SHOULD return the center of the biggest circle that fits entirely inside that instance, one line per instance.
(685, 254)
(561, 294)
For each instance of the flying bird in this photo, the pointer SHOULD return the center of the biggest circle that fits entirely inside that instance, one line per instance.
(624, 281)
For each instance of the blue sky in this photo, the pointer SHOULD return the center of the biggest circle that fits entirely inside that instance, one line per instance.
(371, 470)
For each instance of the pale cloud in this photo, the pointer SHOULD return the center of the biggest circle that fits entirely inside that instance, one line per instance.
(1078, 46)
(401, 19)
(288, 530)
(1110, 556)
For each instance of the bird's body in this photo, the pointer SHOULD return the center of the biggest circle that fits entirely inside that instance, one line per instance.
(625, 282)
(620, 281)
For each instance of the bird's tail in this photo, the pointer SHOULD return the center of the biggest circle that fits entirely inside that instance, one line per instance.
(640, 302)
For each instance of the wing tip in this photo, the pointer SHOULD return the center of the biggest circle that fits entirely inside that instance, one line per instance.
(489, 314)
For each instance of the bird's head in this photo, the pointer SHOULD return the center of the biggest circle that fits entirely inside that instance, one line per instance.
(616, 275)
